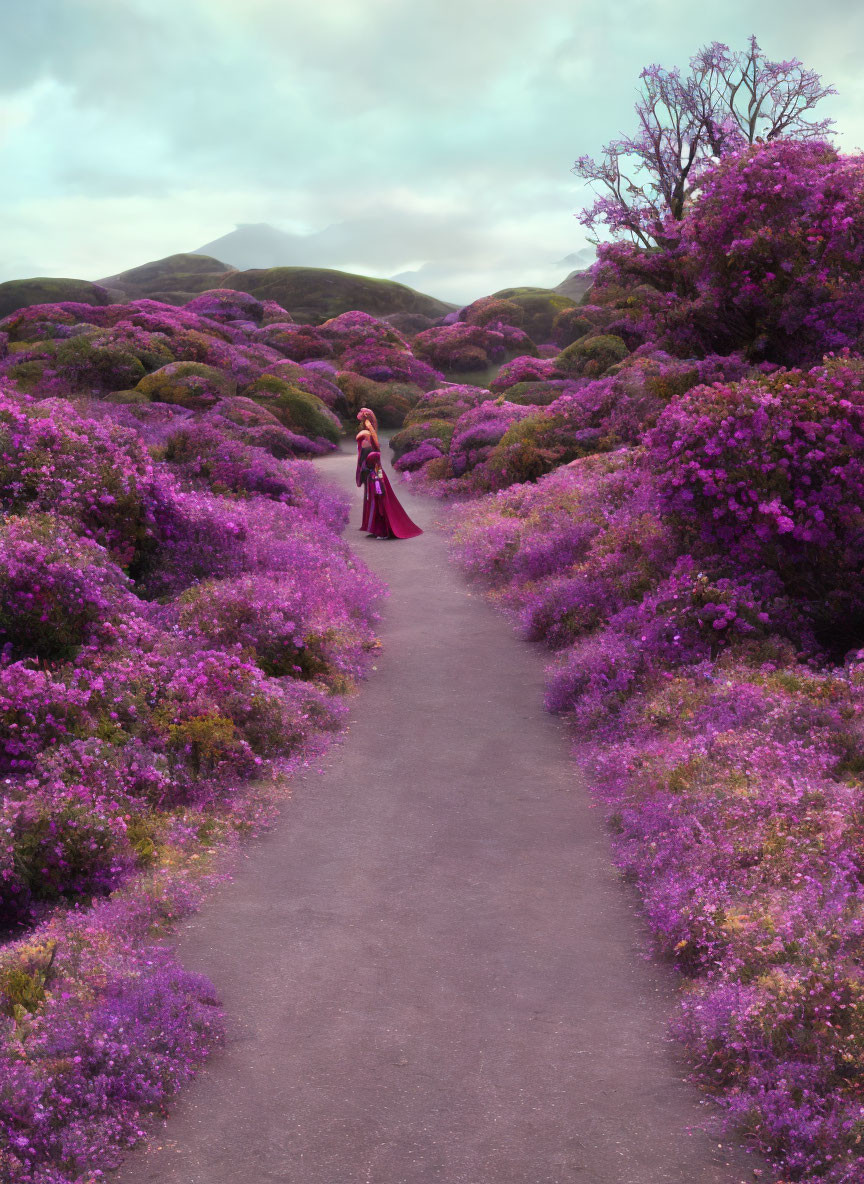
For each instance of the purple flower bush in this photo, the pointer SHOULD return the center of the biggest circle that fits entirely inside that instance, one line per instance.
(384, 363)
(524, 368)
(463, 347)
(491, 308)
(729, 769)
(696, 573)
(179, 620)
(771, 472)
(768, 260)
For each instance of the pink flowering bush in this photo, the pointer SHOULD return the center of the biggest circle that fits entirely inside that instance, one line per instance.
(351, 329)
(296, 342)
(179, 620)
(464, 347)
(767, 260)
(57, 590)
(224, 304)
(524, 368)
(95, 475)
(416, 458)
(491, 308)
(771, 471)
(478, 431)
(384, 363)
(110, 1027)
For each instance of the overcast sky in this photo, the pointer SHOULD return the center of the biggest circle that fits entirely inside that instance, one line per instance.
(437, 134)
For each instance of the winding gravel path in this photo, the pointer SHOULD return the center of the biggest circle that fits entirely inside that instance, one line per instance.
(431, 969)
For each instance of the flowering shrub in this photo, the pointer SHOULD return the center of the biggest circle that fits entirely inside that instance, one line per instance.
(383, 363)
(416, 458)
(462, 347)
(446, 402)
(525, 368)
(110, 1027)
(768, 260)
(490, 308)
(178, 622)
(351, 329)
(95, 475)
(288, 626)
(477, 431)
(771, 471)
(224, 304)
(440, 430)
(314, 383)
(297, 342)
(57, 591)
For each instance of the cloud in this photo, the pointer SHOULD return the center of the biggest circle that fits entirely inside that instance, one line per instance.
(423, 137)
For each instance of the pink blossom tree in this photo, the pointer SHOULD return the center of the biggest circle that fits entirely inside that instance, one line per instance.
(728, 100)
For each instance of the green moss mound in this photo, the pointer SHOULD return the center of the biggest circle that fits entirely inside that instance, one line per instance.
(131, 397)
(80, 364)
(570, 325)
(319, 293)
(589, 357)
(391, 401)
(295, 409)
(535, 446)
(188, 384)
(538, 394)
(540, 307)
(411, 437)
(15, 294)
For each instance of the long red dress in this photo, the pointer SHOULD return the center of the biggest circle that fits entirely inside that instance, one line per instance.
(386, 518)
(362, 476)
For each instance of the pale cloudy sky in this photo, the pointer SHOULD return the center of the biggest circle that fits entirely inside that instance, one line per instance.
(437, 135)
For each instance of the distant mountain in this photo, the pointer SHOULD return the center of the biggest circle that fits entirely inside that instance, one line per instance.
(258, 244)
(578, 260)
(173, 280)
(575, 285)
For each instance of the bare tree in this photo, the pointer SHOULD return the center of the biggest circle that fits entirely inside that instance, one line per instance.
(727, 100)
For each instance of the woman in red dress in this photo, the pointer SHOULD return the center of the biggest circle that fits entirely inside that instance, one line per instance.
(367, 441)
(387, 518)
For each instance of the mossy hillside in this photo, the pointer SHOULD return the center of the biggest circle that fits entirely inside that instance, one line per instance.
(177, 275)
(15, 294)
(321, 293)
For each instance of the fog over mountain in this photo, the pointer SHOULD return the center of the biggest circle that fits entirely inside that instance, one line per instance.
(366, 245)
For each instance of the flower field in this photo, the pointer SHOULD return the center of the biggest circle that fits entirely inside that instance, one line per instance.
(179, 623)
(684, 531)
(663, 485)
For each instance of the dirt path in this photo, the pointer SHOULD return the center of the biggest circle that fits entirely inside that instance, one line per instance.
(431, 969)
